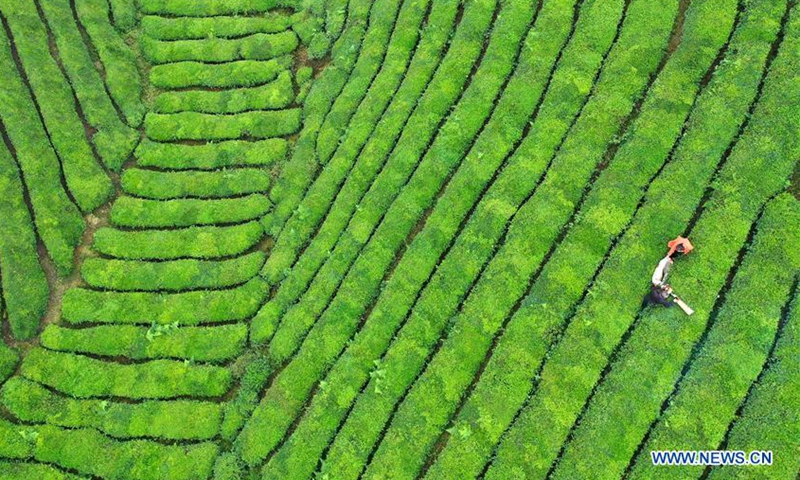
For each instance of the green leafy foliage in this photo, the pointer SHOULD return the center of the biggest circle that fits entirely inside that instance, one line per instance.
(203, 344)
(182, 28)
(211, 156)
(153, 184)
(24, 286)
(242, 73)
(85, 179)
(8, 362)
(140, 212)
(258, 46)
(191, 242)
(206, 8)
(202, 126)
(170, 275)
(58, 221)
(273, 95)
(85, 377)
(113, 139)
(172, 420)
(92, 453)
(188, 308)
(119, 63)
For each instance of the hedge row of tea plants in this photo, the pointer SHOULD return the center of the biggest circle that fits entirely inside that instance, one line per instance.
(82, 305)
(618, 190)
(768, 416)
(211, 8)
(191, 242)
(140, 212)
(202, 126)
(226, 183)
(202, 344)
(211, 156)
(84, 377)
(123, 14)
(118, 61)
(704, 277)
(736, 346)
(58, 220)
(404, 154)
(186, 274)
(431, 166)
(414, 120)
(715, 119)
(13, 470)
(301, 168)
(24, 286)
(377, 126)
(418, 74)
(358, 434)
(242, 73)
(89, 452)
(525, 91)
(168, 420)
(114, 140)
(755, 170)
(258, 46)
(271, 96)
(183, 28)
(394, 22)
(85, 178)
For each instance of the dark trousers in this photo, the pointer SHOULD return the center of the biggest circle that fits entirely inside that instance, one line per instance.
(657, 296)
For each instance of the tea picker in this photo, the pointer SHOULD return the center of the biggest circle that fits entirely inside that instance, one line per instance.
(661, 292)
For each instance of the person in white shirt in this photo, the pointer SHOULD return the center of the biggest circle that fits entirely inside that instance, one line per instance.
(660, 290)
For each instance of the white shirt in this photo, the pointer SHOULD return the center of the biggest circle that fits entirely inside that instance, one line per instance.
(662, 271)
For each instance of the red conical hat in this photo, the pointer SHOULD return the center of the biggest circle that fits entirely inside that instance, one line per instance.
(687, 245)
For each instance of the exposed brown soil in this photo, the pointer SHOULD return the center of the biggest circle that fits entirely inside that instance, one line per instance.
(794, 187)
(301, 59)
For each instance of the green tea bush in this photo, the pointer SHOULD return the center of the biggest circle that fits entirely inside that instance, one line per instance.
(8, 362)
(435, 162)
(593, 34)
(183, 28)
(722, 227)
(201, 126)
(258, 46)
(170, 275)
(123, 14)
(114, 140)
(211, 156)
(169, 420)
(742, 335)
(24, 286)
(143, 213)
(715, 118)
(202, 344)
(193, 242)
(15, 470)
(770, 403)
(161, 185)
(274, 95)
(119, 63)
(300, 171)
(207, 8)
(91, 453)
(187, 308)
(58, 221)
(86, 180)
(242, 73)
(85, 377)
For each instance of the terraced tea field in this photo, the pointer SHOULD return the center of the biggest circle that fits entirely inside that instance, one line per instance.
(340, 239)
